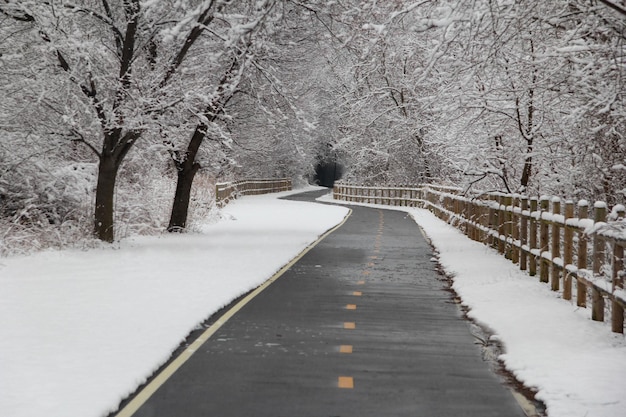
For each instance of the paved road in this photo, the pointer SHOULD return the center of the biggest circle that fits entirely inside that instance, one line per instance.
(360, 326)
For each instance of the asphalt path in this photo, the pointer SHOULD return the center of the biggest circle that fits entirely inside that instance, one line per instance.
(359, 326)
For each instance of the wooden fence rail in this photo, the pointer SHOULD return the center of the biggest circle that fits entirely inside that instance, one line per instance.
(227, 191)
(562, 243)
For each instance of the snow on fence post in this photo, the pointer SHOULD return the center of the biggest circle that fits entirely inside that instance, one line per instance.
(501, 217)
(471, 211)
(515, 247)
(544, 240)
(581, 254)
(508, 223)
(617, 311)
(480, 219)
(491, 240)
(555, 250)
(523, 256)
(533, 237)
(568, 250)
(504, 223)
(599, 215)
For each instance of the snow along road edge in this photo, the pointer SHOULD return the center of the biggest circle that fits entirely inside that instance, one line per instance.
(170, 369)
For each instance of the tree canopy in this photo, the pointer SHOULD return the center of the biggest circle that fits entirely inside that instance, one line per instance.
(125, 111)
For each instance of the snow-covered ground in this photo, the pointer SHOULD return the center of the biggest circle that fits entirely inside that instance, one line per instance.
(79, 330)
(577, 366)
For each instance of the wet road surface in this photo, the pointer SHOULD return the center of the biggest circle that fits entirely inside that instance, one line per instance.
(360, 326)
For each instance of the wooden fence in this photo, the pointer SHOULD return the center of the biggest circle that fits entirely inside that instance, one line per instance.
(227, 191)
(562, 243)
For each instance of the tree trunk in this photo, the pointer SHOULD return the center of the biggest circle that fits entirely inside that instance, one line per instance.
(103, 218)
(187, 168)
(528, 167)
(180, 207)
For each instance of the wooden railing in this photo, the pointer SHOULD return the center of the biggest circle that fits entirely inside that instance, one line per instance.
(561, 243)
(227, 191)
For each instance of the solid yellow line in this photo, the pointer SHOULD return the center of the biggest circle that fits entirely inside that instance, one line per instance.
(346, 382)
(351, 307)
(166, 373)
(349, 325)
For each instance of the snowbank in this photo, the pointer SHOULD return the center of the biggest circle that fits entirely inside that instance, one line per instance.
(80, 330)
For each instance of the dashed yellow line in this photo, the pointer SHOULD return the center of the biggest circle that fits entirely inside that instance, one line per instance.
(361, 282)
(345, 382)
(351, 307)
(345, 349)
(357, 293)
(350, 325)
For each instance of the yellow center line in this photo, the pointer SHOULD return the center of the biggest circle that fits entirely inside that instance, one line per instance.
(346, 382)
(350, 325)
(351, 307)
(357, 293)
(345, 349)
(366, 272)
(360, 282)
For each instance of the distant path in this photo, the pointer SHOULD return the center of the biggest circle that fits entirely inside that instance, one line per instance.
(360, 326)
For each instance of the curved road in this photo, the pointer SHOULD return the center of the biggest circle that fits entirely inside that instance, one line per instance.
(359, 326)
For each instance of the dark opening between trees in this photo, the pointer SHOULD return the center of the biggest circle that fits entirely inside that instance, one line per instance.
(326, 173)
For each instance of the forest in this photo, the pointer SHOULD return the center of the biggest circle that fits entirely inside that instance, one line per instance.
(117, 117)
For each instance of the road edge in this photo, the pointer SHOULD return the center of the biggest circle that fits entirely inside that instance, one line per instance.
(147, 391)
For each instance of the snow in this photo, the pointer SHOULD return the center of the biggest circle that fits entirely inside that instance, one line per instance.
(576, 365)
(80, 330)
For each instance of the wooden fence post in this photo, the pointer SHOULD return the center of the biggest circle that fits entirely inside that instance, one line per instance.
(544, 240)
(501, 224)
(568, 250)
(493, 221)
(523, 256)
(532, 270)
(515, 229)
(555, 274)
(581, 254)
(599, 214)
(508, 227)
(617, 311)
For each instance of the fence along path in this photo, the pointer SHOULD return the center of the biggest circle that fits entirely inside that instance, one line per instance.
(564, 244)
(226, 191)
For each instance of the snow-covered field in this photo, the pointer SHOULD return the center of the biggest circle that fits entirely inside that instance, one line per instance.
(577, 366)
(79, 330)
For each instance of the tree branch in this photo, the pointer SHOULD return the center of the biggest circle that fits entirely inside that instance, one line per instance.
(204, 19)
(614, 6)
(108, 20)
